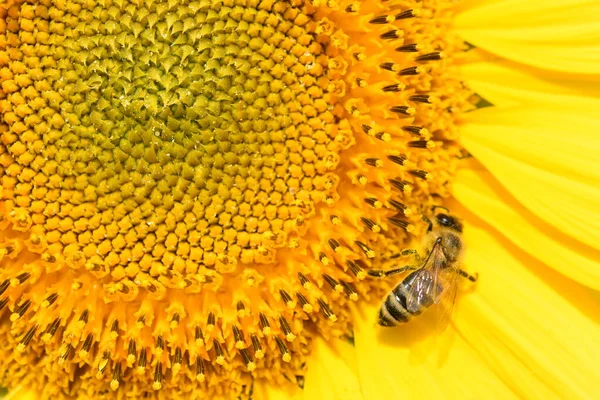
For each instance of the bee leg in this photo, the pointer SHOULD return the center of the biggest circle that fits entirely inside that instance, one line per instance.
(465, 274)
(406, 253)
(380, 273)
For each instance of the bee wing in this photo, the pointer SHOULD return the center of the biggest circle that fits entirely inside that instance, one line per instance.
(448, 283)
(421, 291)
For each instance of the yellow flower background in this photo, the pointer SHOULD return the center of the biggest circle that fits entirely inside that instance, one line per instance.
(192, 192)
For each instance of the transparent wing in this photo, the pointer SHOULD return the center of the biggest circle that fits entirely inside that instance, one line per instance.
(447, 280)
(421, 293)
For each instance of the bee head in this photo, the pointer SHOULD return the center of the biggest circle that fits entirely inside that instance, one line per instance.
(449, 221)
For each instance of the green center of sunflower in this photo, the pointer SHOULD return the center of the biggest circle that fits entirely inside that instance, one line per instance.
(190, 188)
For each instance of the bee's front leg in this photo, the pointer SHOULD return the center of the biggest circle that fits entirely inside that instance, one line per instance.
(380, 273)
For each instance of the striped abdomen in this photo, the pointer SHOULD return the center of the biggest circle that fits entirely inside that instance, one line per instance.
(394, 309)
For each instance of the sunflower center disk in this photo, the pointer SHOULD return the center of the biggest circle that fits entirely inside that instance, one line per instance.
(187, 187)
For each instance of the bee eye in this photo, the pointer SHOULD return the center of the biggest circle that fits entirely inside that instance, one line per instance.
(445, 220)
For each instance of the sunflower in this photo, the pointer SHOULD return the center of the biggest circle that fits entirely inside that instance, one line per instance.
(193, 194)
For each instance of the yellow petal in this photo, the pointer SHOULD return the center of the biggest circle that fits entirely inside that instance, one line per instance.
(559, 35)
(270, 391)
(480, 192)
(537, 331)
(506, 84)
(394, 363)
(332, 373)
(20, 393)
(546, 160)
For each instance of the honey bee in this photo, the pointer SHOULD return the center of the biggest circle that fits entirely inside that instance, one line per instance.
(435, 281)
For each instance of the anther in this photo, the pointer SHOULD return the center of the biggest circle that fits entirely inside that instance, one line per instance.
(349, 291)
(285, 328)
(369, 253)
(84, 316)
(160, 344)
(373, 162)
(210, 321)
(67, 353)
(20, 310)
(407, 14)
(359, 56)
(4, 285)
(116, 377)
(51, 330)
(436, 55)
(356, 269)
(389, 66)
(421, 98)
(361, 179)
(335, 285)
(257, 347)
(335, 220)
(403, 186)
(178, 357)
(239, 337)
(241, 309)
(382, 19)
(400, 223)
(326, 310)
(411, 71)
(396, 87)
(367, 129)
(23, 277)
(199, 369)
(285, 353)
(27, 338)
(250, 365)
(400, 160)
(323, 258)
(371, 225)
(404, 110)
(399, 206)
(409, 48)
(334, 244)
(352, 8)
(142, 361)
(361, 82)
(393, 34)
(421, 174)
(306, 306)
(158, 377)
(303, 280)
(103, 364)
(287, 299)
(373, 202)
(219, 352)
(416, 130)
(421, 144)
(131, 351)
(3, 303)
(264, 324)
(198, 336)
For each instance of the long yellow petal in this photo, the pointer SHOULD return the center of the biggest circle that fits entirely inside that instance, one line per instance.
(559, 35)
(479, 192)
(403, 363)
(331, 375)
(537, 331)
(545, 162)
(20, 393)
(506, 84)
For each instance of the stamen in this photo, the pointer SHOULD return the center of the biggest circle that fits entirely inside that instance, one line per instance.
(409, 48)
(334, 244)
(400, 223)
(287, 331)
(219, 352)
(422, 144)
(200, 377)
(372, 226)
(373, 202)
(421, 98)
(264, 324)
(393, 34)
(256, 346)
(416, 130)
(27, 338)
(373, 162)
(411, 71)
(158, 377)
(116, 377)
(404, 110)
(335, 285)
(326, 310)
(407, 14)
(402, 186)
(396, 87)
(421, 174)
(365, 249)
(250, 365)
(400, 160)
(285, 353)
(382, 19)
(390, 66)
(436, 55)
(350, 291)
(356, 270)
(306, 306)
(287, 299)
(239, 337)
(4, 286)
